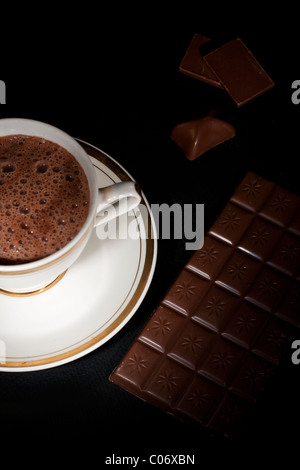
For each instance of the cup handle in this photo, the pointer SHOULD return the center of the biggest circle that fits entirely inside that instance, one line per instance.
(115, 200)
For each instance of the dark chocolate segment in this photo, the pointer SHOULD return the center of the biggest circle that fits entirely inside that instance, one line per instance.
(208, 260)
(184, 294)
(252, 192)
(226, 324)
(260, 239)
(238, 273)
(215, 309)
(274, 340)
(231, 224)
(200, 135)
(193, 64)
(238, 71)
(199, 400)
(244, 325)
(221, 362)
(286, 256)
(294, 225)
(289, 306)
(280, 207)
(267, 289)
(252, 378)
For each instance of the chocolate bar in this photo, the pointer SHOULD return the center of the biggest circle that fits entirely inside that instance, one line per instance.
(193, 64)
(229, 320)
(238, 71)
(200, 135)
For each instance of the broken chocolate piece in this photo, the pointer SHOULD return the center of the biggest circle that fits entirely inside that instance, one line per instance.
(200, 135)
(238, 71)
(193, 64)
(225, 325)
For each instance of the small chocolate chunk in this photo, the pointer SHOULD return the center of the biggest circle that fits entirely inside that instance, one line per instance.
(200, 135)
(238, 71)
(193, 64)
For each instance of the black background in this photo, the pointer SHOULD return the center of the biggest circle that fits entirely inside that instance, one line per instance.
(113, 80)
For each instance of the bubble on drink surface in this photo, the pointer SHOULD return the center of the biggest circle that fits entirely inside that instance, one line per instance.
(42, 167)
(70, 178)
(24, 210)
(8, 168)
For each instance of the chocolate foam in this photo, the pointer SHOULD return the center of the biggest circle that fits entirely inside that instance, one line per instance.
(44, 198)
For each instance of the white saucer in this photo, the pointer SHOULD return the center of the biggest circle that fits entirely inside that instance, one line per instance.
(94, 299)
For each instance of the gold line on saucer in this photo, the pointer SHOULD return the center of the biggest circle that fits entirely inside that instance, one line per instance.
(38, 291)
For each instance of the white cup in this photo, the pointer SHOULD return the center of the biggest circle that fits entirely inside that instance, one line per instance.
(35, 276)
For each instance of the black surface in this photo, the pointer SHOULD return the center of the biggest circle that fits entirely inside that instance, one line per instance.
(120, 90)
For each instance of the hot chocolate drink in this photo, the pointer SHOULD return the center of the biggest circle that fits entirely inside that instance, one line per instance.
(44, 198)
